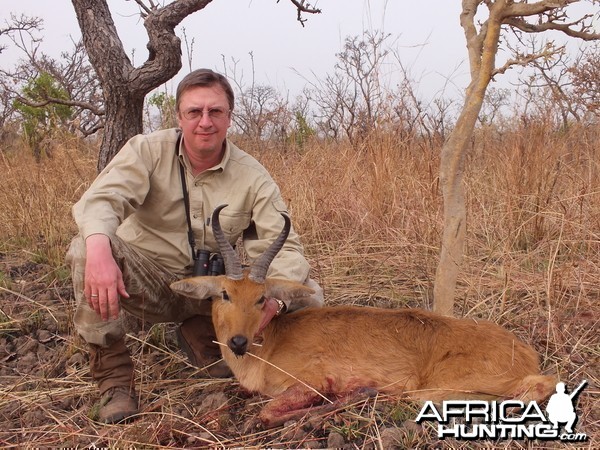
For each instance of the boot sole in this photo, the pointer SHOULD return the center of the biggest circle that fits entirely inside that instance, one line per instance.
(122, 418)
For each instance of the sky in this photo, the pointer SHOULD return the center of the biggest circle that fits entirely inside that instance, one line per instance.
(426, 33)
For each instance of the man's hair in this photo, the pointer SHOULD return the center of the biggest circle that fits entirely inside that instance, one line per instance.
(206, 78)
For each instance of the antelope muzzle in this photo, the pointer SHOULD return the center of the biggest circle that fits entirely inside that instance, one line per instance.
(238, 344)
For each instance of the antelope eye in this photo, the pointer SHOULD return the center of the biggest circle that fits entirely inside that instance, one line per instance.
(224, 295)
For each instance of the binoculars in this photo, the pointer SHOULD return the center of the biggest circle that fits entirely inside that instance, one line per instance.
(207, 264)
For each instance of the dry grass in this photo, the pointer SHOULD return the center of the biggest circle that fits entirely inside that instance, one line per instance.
(37, 200)
(370, 221)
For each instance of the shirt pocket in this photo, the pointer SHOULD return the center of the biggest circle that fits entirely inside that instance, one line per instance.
(233, 223)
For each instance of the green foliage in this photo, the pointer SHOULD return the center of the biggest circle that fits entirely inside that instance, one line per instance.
(165, 103)
(40, 120)
(303, 130)
(349, 429)
(402, 411)
(94, 412)
(162, 100)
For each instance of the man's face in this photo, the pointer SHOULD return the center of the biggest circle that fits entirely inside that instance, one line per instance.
(204, 117)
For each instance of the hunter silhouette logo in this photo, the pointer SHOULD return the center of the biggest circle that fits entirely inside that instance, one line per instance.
(510, 419)
(561, 406)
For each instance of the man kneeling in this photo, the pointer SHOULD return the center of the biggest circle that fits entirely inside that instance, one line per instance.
(145, 223)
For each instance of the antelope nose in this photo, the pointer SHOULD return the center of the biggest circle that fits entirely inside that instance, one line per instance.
(238, 345)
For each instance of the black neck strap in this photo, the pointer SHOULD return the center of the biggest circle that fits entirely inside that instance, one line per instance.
(186, 199)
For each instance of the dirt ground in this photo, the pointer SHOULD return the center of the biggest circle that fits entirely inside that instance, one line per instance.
(47, 399)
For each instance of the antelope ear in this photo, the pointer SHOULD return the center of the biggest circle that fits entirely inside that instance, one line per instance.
(286, 290)
(198, 287)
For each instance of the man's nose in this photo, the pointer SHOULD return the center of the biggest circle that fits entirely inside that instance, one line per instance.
(205, 120)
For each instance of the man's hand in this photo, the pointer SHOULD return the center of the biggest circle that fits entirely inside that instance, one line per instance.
(103, 278)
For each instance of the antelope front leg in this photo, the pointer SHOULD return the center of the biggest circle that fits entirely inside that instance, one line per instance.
(298, 401)
(293, 404)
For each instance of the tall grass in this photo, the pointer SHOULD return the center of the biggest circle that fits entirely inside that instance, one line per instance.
(370, 216)
(35, 219)
(370, 219)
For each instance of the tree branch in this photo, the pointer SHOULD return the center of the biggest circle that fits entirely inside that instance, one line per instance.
(164, 46)
(536, 8)
(61, 101)
(474, 40)
(565, 28)
(523, 60)
(303, 7)
(21, 24)
(144, 9)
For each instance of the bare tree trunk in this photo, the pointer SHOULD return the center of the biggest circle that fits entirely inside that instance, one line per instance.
(455, 212)
(482, 59)
(124, 113)
(482, 46)
(124, 85)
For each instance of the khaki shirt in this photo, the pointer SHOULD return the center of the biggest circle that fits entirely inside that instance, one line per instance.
(138, 196)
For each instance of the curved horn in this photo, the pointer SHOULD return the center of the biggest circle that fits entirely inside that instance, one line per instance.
(233, 265)
(258, 271)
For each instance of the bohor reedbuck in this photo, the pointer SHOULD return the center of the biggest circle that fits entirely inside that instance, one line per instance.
(317, 355)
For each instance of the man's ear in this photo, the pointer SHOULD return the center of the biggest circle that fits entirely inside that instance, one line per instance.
(286, 290)
(198, 287)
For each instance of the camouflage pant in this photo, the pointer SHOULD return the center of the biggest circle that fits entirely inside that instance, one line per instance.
(150, 297)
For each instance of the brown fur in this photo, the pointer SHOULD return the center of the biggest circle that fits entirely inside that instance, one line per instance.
(335, 351)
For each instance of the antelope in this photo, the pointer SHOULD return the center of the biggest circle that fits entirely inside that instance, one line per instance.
(313, 355)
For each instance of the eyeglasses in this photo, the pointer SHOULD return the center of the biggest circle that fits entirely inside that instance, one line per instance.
(213, 113)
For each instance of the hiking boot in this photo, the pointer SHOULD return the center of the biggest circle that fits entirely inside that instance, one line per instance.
(195, 337)
(117, 405)
(112, 369)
